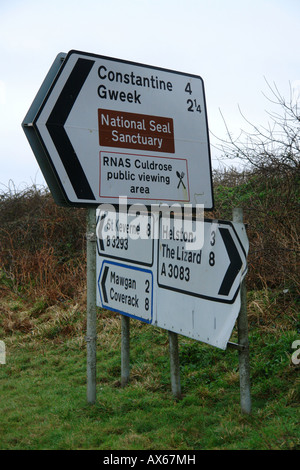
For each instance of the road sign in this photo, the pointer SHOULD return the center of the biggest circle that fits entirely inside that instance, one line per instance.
(103, 128)
(194, 284)
(120, 236)
(127, 288)
(212, 271)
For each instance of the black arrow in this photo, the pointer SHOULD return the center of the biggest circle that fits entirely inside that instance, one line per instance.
(105, 272)
(99, 227)
(235, 262)
(55, 126)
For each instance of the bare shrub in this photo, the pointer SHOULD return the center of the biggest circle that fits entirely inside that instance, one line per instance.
(268, 189)
(42, 245)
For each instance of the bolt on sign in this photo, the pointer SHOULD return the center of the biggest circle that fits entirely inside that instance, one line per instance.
(102, 128)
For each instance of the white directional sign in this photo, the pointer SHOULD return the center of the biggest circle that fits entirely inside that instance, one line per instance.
(103, 128)
(184, 278)
(119, 236)
(127, 288)
(217, 264)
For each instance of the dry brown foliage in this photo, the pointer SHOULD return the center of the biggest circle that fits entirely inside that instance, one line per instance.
(271, 206)
(42, 246)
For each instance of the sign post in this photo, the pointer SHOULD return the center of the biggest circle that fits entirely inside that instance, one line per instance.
(125, 348)
(91, 326)
(243, 340)
(103, 128)
(174, 364)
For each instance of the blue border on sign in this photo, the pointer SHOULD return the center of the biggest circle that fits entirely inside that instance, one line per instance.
(135, 268)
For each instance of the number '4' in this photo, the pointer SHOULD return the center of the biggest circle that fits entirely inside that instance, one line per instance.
(188, 88)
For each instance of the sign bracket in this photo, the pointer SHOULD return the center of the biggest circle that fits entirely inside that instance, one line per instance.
(237, 346)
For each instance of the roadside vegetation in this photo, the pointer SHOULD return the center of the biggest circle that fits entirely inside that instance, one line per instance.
(43, 325)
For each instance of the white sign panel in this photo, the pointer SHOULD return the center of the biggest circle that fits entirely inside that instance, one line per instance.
(217, 263)
(193, 292)
(147, 178)
(108, 128)
(127, 288)
(119, 236)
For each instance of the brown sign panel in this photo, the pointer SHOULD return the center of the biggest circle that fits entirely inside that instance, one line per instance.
(135, 131)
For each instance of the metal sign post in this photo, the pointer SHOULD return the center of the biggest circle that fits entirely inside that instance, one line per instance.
(91, 326)
(174, 364)
(243, 340)
(125, 349)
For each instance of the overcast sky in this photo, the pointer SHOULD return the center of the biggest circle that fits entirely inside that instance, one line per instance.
(234, 45)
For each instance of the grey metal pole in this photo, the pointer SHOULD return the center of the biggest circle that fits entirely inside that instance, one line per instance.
(243, 340)
(125, 348)
(174, 364)
(91, 327)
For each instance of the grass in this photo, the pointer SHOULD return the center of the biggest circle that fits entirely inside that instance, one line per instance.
(43, 386)
(43, 401)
